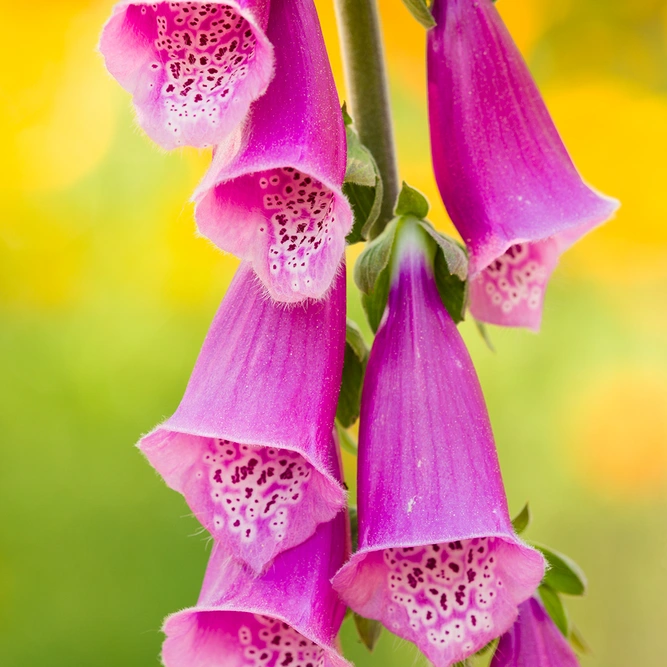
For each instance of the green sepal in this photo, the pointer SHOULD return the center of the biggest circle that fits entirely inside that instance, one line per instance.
(484, 333)
(450, 269)
(371, 274)
(375, 258)
(363, 184)
(354, 367)
(579, 644)
(368, 630)
(522, 520)
(411, 202)
(563, 574)
(555, 608)
(419, 9)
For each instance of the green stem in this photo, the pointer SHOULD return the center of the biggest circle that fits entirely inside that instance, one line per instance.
(366, 81)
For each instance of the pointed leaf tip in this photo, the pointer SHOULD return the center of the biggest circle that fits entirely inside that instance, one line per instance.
(419, 9)
(555, 608)
(522, 520)
(563, 575)
(363, 184)
(369, 631)
(411, 202)
(578, 641)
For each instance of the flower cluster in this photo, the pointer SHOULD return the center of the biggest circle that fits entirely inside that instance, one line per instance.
(253, 446)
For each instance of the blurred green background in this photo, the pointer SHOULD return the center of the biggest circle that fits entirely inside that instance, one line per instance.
(106, 295)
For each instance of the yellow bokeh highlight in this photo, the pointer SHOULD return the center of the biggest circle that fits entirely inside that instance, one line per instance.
(58, 105)
(618, 434)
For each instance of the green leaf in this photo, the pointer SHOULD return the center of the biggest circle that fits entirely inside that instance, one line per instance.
(354, 527)
(347, 119)
(366, 205)
(451, 270)
(375, 302)
(354, 366)
(522, 520)
(375, 258)
(419, 9)
(563, 575)
(368, 630)
(578, 642)
(362, 186)
(345, 439)
(454, 254)
(554, 606)
(453, 291)
(484, 333)
(411, 202)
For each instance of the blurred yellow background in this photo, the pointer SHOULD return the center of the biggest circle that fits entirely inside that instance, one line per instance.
(106, 295)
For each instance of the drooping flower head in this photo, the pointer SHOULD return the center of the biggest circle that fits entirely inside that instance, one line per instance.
(248, 446)
(193, 68)
(289, 616)
(273, 193)
(503, 172)
(534, 641)
(438, 562)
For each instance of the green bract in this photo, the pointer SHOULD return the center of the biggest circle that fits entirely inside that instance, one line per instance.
(356, 356)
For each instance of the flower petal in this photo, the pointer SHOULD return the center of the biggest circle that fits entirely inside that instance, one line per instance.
(248, 446)
(438, 561)
(273, 192)
(193, 68)
(534, 641)
(501, 167)
(288, 616)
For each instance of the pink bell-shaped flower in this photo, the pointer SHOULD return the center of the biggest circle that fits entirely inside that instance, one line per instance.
(248, 446)
(289, 616)
(273, 192)
(193, 68)
(438, 561)
(503, 172)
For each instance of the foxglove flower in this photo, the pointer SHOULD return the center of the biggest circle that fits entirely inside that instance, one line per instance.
(273, 192)
(193, 68)
(248, 446)
(505, 177)
(534, 641)
(288, 616)
(438, 562)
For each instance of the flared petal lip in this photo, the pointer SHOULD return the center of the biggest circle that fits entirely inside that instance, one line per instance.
(317, 465)
(210, 181)
(326, 645)
(497, 244)
(249, 16)
(364, 551)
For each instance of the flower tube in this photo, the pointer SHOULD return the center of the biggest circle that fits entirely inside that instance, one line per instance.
(534, 641)
(438, 562)
(248, 446)
(193, 68)
(288, 616)
(503, 172)
(273, 192)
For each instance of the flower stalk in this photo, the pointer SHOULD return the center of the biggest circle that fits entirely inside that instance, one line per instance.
(368, 92)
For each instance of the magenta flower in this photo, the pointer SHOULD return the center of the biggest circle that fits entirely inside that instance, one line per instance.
(193, 68)
(438, 562)
(288, 616)
(534, 641)
(248, 446)
(273, 193)
(504, 175)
